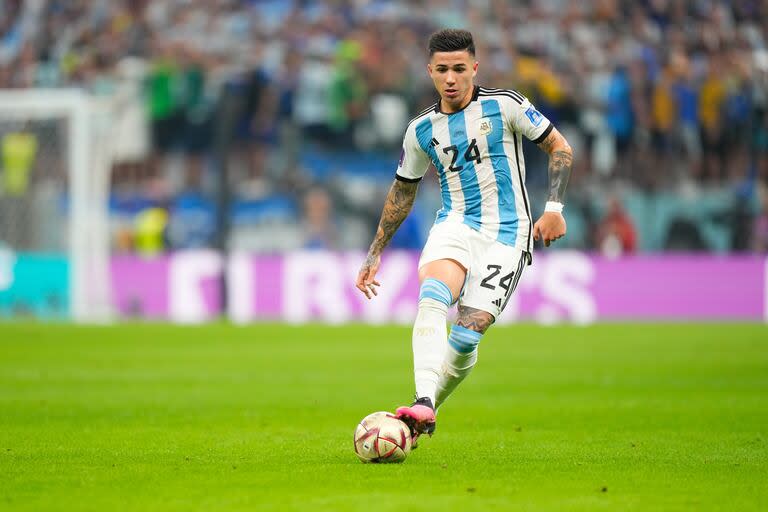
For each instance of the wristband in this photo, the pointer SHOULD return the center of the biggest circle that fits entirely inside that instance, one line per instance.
(553, 206)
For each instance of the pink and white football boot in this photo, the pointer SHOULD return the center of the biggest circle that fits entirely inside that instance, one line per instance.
(420, 418)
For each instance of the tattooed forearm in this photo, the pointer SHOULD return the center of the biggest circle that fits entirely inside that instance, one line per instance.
(474, 319)
(396, 207)
(560, 163)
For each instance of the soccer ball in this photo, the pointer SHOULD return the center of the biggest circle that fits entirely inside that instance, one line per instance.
(381, 437)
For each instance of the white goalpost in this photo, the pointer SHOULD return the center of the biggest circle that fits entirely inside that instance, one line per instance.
(71, 157)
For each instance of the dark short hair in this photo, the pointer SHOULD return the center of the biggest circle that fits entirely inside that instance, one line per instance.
(451, 40)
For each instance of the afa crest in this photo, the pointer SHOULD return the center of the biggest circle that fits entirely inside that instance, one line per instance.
(486, 126)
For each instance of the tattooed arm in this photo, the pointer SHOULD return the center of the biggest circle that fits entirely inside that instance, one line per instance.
(551, 225)
(560, 162)
(396, 208)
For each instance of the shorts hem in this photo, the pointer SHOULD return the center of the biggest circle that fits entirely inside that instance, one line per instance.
(437, 257)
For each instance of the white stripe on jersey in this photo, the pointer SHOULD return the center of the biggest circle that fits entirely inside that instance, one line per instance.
(454, 188)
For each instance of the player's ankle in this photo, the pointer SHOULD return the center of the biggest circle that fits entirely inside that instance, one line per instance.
(425, 400)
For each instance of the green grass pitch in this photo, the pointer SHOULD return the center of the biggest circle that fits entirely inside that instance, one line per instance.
(607, 417)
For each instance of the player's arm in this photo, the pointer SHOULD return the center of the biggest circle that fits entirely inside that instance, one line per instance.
(398, 204)
(551, 225)
(413, 164)
(525, 119)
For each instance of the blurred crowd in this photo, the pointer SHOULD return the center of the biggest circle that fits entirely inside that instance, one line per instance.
(300, 107)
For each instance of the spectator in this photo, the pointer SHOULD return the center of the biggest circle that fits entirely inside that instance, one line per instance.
(711, 105)
(616, 232)
(165, 110)
(659, 94)
(318, 223)
(151, 231)
(347, 94)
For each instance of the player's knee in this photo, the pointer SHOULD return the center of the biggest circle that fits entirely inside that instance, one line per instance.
(474, 319)
(447, 271)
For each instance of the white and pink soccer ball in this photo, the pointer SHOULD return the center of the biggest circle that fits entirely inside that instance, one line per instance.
(381, 438)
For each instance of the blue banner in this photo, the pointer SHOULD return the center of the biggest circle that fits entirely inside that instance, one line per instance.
(34, 285)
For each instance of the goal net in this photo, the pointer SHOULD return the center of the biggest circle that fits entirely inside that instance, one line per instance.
(54, 180)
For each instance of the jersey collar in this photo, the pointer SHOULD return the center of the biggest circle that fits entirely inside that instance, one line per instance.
(475, 94)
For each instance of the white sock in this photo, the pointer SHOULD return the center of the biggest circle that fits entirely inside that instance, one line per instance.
(460, 358)
(430, 335)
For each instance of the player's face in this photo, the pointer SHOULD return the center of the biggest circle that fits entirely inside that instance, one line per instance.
(453, 74)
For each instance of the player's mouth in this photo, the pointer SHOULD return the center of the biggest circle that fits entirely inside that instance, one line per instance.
(451, 93)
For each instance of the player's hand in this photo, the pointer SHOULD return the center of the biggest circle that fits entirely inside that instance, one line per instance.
(366, 278)
(549, 227)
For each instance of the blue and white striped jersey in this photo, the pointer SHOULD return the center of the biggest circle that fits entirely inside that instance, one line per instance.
(478, 154)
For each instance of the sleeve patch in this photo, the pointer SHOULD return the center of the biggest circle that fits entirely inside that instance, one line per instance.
(534, 116)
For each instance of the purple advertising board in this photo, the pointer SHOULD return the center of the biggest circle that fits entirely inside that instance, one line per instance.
(561, 286)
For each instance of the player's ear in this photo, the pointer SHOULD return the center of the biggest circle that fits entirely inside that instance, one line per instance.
(474, 69)
(429, 69)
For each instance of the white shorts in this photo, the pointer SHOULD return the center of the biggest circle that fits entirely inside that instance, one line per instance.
(493, 269)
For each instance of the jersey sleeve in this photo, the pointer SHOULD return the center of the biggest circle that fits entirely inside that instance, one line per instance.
(414, 162)
(525, 119)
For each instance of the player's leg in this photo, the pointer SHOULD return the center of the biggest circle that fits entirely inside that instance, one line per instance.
(441, 283)
(490, 283)
(442, 273)
(461, 354)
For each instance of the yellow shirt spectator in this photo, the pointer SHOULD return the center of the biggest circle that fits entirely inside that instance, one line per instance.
(18, 155)
(150, 229)
(711, 102)
(663, 107)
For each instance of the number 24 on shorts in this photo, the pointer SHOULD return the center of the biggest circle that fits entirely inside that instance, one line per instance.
(505, 282)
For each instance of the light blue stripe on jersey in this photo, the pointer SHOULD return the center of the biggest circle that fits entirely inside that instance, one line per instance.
(424, 136)
(435, 289)
(508, 219)
(463, 340)
(472, 199)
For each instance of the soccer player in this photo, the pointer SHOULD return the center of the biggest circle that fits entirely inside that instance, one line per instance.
(482, 236)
